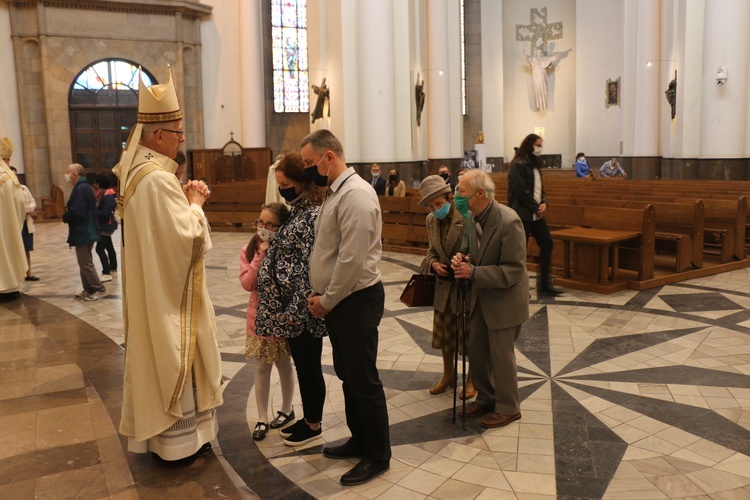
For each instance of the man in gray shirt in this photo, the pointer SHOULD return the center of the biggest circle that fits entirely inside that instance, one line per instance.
(348, 292)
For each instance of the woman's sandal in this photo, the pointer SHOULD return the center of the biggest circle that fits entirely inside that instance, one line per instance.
(260, 431)
(441, 388)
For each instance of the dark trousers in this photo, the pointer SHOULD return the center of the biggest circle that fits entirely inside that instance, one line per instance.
(540, 231)
(353, 330)
(106, 252)
(306, 352)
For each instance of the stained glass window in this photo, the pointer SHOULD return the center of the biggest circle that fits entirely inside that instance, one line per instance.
(113, 82)
(289, 38)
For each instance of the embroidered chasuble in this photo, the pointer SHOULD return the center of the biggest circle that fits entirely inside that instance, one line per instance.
(172, 382)
(12, 214)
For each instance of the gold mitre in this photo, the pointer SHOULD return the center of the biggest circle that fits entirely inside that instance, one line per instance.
(6, 148)
(158, 103)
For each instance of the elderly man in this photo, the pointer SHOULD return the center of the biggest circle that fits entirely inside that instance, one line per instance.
(83, 231)
(172, 380)
(13, 264)
(611, 169)
(499, 301)
(348, 291)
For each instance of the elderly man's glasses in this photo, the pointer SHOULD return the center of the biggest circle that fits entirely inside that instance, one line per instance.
(180, 133)
(266, 225)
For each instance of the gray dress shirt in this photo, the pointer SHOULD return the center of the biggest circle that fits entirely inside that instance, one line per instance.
(347, 246)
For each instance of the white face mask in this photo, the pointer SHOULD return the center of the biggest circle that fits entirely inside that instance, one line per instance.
(537, 150)
(266, 234)
(375, 175)
(67, 178)
(582, 158)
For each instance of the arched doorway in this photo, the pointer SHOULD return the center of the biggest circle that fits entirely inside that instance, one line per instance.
(103, 107)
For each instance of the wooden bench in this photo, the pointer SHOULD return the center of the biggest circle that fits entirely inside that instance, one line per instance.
(679, 227)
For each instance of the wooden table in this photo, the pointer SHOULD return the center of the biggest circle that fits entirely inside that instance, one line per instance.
(598, 240)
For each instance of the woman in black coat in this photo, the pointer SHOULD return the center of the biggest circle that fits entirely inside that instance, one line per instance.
(526, 197)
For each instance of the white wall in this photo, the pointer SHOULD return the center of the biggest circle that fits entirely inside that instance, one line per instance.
(521, 116)
(222, 104)
(10, 121)
(599, 56)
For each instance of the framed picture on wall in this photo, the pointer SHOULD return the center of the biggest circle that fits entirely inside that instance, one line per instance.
(612, 93)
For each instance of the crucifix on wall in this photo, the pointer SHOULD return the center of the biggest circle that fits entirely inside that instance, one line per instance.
(539, 33)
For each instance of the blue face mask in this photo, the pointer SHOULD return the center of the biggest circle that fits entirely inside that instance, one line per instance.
(442, 212)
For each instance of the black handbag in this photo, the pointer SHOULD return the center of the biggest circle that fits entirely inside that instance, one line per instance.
(420, 291)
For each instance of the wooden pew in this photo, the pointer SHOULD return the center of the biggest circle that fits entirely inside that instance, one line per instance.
(679, 227)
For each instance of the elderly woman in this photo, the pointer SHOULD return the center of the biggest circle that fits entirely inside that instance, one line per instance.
(446, 232)
(283, 287)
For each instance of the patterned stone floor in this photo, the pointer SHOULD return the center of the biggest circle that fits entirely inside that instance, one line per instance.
(633, 395)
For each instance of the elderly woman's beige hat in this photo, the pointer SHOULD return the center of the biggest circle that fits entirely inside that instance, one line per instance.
(432, 186)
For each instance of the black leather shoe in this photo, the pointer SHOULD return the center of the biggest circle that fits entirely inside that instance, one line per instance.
(7, 297)
(346, 450)
(549, 291)
(364, 471)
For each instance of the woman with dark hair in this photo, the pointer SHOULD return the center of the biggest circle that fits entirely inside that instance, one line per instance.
(283, 287)
(526, 197)
(106, 201)
(582, 166)
(395, 186)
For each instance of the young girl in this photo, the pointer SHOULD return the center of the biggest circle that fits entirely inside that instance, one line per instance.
(267, 351)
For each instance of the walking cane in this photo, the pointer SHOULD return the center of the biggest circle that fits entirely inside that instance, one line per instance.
(464, 286)
(455, 351)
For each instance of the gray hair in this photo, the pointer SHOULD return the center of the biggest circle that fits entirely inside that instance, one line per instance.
(480, 180)
(77, 169)
(323, 140)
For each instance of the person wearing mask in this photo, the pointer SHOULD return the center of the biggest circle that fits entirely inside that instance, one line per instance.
(395, 186)
(83, 231)
(28, 228)
(266, 351)
(106, 201)
(526, 196)
(445, 173)
(283, 288)
(348, 292)
(611, 169)
(446, 233)
(377, 182)
(12, 214)
(499, 298)
(582, 166)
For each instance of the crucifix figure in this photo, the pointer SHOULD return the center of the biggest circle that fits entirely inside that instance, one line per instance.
(539, 33)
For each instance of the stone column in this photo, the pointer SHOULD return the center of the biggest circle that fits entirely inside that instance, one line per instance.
(647, 91)
(724, 108)
(251, 75)
(443, 81)
(375, 58)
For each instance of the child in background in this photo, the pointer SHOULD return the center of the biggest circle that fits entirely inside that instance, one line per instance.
(266, 351)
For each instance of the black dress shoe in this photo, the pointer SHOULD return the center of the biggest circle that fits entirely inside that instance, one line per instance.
(346, 450)
(549, 291)
(7, 297)
(364, 471)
